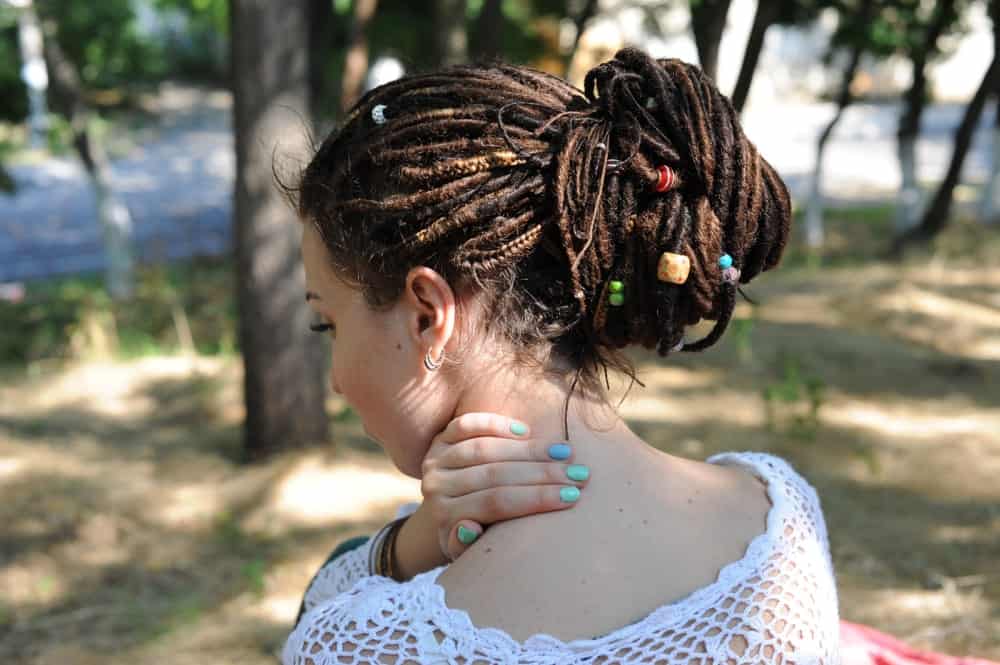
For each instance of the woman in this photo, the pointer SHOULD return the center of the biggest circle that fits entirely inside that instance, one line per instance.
(483, 242)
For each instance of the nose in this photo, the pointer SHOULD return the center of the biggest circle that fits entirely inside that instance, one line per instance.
(333, 383)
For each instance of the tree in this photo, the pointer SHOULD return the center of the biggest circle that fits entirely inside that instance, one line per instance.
(768, 13)
(920, 44)
(283, 379)
(853, 34)
(580, 23)
(488, 40)
(356, 63)
(321, 42)
(67, 98)
(708, 21)
(989, 208)
(450, 39)
(936, 216)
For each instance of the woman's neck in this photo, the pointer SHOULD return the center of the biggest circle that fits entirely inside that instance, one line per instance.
(598, 435)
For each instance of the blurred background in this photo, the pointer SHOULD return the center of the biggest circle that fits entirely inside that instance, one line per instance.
(173, 468)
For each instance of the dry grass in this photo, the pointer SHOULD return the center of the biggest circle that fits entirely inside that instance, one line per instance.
(132, 535)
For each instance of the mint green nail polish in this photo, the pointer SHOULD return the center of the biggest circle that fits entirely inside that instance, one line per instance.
(569, 494)
(519, 429)
(577, 472)
(467, 536)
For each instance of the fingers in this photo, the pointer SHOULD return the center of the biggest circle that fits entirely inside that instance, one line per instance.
(474, 424)
(485, 449)
(462, 536)
(460, 482)
(503, 503)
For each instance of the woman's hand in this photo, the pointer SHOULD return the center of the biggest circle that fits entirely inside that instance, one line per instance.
(484, 468)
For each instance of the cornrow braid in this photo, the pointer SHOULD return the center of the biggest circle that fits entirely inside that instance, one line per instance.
(541, 195)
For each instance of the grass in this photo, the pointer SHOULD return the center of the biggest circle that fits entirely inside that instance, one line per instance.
(72, 318)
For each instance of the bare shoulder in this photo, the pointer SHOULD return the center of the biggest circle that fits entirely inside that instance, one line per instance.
(609, 562)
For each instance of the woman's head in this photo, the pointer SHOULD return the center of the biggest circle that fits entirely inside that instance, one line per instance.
(529, 198)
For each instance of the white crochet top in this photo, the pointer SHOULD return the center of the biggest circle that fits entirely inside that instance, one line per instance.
(778, 604)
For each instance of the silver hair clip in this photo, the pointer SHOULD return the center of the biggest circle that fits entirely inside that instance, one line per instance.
(378, 114)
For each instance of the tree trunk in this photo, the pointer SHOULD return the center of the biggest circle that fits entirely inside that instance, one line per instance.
(909, 121)
(356, 63)
(936, 216)
(708, 21)
(580, 22)
(451, 41)
(814, 207)
(766, 14)
(283, 376)
(990, 209)
(321, 45)
(112, 213)
(488, 44)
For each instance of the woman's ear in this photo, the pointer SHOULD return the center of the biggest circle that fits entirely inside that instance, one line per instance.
(430, 309)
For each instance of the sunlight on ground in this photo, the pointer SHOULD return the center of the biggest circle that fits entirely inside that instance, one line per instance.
(133, 535)
(315, 492)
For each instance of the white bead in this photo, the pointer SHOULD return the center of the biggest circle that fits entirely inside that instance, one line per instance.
(378, 114)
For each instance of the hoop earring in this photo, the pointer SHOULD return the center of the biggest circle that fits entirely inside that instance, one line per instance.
(430, 364)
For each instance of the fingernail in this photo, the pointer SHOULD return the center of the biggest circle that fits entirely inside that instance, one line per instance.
(559, 451)
(467, 536)
(519, 429)
(569, 494)
(577, 472)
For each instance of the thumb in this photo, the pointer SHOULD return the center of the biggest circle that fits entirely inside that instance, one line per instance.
(462, 536)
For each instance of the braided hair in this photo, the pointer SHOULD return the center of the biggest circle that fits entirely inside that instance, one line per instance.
(538, 195)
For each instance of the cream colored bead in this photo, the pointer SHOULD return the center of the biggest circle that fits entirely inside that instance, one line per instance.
(673, 268)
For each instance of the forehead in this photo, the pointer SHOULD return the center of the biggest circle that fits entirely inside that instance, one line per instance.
(320, 278)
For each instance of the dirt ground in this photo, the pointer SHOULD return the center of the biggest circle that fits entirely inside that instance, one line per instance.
(130, 535)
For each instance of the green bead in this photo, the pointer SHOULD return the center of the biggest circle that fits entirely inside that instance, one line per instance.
(616, 287)
(616, 299)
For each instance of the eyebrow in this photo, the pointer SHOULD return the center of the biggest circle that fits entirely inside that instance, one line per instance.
(312, 296)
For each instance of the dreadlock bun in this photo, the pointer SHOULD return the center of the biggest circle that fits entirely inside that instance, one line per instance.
(541, 195)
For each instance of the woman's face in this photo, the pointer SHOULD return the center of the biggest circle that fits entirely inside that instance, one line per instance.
(377, 358)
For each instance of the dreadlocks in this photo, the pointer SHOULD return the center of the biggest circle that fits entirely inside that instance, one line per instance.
(540, 195)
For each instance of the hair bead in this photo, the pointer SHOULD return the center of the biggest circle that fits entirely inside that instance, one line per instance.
(665, 178)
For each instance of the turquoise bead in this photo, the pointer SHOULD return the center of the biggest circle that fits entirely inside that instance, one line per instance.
(725, 261)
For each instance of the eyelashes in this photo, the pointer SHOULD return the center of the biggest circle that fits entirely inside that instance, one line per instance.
(322, 327)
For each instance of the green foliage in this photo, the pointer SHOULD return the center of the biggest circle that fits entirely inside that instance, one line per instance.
(253, 573)
(73, 317)
(793, 401)
(103, 41)
(891, 26)
(13, 93)
(740, 331)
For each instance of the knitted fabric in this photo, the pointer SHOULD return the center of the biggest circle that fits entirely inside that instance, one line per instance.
(776, 604)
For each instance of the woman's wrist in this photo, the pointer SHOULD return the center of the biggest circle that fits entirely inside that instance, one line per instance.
(416, 547)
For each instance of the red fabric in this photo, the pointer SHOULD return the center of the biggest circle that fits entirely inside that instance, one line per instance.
(863, 645)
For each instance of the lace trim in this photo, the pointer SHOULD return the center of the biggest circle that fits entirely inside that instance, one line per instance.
(455, 621)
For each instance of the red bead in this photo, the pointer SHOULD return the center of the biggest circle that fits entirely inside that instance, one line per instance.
(666, 178)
